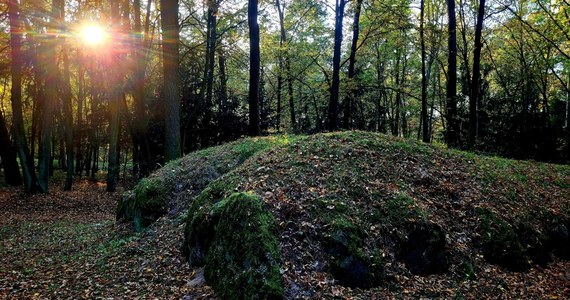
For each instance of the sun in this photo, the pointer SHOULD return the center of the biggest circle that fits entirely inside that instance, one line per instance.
(93, 35)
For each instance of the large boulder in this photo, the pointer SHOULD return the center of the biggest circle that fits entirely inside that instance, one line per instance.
(235, 239)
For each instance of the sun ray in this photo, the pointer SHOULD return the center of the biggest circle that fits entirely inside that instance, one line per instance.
(93, 35)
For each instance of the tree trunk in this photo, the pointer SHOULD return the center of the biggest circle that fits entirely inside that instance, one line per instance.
(284, 55)
(254, 68)
(26, 162)
(67, 109)
(51, 98)
(335, 85)
(170, 58)
(211, 41)
(141, 156)
(474, 95)
(8, 156)
(424, 114)
(115, 92)
(452, 133)
(353, 90)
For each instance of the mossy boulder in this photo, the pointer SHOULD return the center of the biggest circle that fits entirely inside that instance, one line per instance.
(235, 239)
(500, 242)
(348, 261)
(146, 203)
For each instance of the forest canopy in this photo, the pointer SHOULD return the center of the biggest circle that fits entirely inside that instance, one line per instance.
(93, 85)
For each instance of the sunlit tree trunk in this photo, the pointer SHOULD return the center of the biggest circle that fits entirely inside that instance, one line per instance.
(171, 94)
(254, 68)
(51, 98)
(26, 162)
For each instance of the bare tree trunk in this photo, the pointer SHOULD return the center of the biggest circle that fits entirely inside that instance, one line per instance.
(335, 85)
(51, 97)
(67, 109)
(424, 114)
(115, 85)
(170, 60)
(26, 162)
(8, 156)
(452, 133)
(474, 96)
(254, 68)
(353, 90)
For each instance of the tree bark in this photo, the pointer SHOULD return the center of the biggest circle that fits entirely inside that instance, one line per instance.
(335, 85)
(170, 60)
(141, 155)
(8, 156)
(424, 114)
(26, 162)
(67, 108)
(115, 98)
(254, 68)
(452, 134)
(51, 98)
(353, 90)
(474, 95)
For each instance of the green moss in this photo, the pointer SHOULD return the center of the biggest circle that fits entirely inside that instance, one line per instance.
(348, 261)
(243, 259)
(500, 242)
(147, 202)
(235, 238)
(398, 210)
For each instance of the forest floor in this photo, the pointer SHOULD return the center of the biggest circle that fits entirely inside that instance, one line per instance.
(66, 245)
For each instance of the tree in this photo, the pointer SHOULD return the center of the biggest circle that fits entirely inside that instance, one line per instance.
(452, 133)
(51, 97)
(26, 162)
(424, 115)
(474, 89)
(254, 68)
(115, 98)
(67, 103)
(171, 93)
(284, 55)
(351, 97)
(335, 85)
(8, 156)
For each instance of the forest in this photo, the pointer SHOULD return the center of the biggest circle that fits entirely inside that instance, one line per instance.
(89, 86)
(349, 131)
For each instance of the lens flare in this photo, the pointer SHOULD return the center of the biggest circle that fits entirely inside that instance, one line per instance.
(93, 35)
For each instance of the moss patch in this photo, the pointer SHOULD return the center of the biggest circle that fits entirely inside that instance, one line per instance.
(236, 241)
(348, 261)
(146, 203)
(500, 242)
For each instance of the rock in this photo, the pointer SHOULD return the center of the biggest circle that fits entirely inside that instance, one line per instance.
(424, 252)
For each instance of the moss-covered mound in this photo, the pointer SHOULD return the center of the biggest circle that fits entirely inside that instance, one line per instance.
(364, 215)
(360, 210)
(235, 239)
(171, 188)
